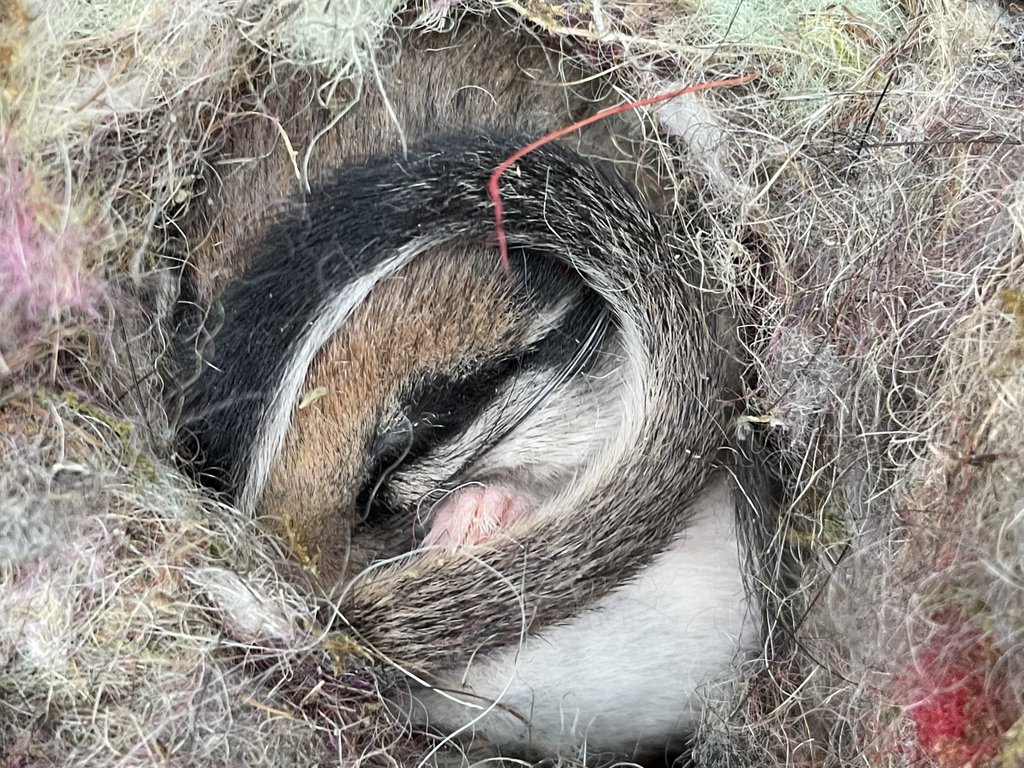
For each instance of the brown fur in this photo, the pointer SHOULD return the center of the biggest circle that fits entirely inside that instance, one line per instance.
(411, 324)
(482, 79)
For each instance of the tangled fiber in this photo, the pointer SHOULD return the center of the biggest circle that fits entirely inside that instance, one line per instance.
(867, 199)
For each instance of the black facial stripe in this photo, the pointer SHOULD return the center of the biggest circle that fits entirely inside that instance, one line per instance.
(444, 406)
(565, 352)
(442, 403)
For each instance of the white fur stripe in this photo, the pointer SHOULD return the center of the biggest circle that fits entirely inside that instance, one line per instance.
(278, 416)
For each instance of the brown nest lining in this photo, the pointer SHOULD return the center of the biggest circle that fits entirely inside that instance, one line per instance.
(867, 204)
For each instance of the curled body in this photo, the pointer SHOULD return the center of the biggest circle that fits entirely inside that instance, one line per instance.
(507, 484)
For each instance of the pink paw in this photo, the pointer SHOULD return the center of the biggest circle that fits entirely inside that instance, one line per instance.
(474, 514)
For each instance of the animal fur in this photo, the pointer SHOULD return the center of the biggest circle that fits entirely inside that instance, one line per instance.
(862, 206)
(374, 290)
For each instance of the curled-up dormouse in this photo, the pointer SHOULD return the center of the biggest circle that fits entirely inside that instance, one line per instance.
(508, 482)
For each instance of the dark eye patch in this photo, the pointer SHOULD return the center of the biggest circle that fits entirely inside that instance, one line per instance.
(439, 408)
(440, 405)
(443, 406)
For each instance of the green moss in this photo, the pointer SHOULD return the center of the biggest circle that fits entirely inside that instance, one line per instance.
(843, 30)
(1012, 753)
(814, 523)
(122, 431)
(811, 52)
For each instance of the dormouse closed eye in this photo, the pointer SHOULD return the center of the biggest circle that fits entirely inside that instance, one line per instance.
(480, 428)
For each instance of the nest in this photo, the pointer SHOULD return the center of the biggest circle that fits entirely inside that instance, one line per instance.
(866, 202)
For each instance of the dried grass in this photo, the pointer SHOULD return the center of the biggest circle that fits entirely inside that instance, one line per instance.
(866, 196)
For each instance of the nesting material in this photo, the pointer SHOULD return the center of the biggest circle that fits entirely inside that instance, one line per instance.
(866, 204)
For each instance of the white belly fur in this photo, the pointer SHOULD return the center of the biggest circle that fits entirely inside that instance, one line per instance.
(624, 675)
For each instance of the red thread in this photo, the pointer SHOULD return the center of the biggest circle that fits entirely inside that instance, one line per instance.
(962, 709)
(492, 185)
